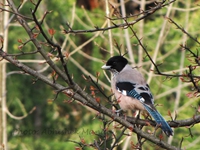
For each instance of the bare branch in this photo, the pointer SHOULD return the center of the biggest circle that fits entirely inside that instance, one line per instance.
(183, 30)
(123, 25)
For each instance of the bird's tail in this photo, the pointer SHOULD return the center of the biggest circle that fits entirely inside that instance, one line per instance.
(160, 120)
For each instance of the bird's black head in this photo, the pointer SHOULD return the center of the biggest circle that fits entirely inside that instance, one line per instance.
(115, 63)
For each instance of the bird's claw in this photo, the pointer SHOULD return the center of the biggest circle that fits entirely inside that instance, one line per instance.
(118, 112)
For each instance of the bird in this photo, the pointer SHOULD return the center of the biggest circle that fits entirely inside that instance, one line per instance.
(131, 90)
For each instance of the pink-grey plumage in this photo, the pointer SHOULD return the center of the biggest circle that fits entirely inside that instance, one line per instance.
(132, 91)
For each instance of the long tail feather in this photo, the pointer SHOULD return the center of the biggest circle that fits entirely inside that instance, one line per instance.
(153, 112)
(160, 120)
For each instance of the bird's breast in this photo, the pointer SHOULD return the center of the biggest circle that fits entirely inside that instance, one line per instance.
(128, 103)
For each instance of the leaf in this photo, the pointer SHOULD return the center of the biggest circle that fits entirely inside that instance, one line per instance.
(147, 123)
(92, 93)
(161, 136)
(19, 40)
(92, 88)
(56, 77)
(50, 55)
(133, 146)
(37, 28)
(20, 47)
(131, 128)
(52, 32)
(97, 99)
(53, 73)
(182, 79)
(190, 95)
(50, 101)
(97, 74)
(78, 148)
(67, 55)
(169, 113)
(83, 141)
(35, 35)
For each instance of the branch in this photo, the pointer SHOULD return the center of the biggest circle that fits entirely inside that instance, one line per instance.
(64, 64)
(86, 99)
(76, 92)
(39, 47)
(183, 30)
(21, 117)
(16, 13)
(146, 14)
(158, 72)
(175, 123)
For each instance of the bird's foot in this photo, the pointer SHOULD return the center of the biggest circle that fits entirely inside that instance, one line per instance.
(136, 114)
(118, 112)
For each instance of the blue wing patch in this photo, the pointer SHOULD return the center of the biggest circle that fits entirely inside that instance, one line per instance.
(140, 92)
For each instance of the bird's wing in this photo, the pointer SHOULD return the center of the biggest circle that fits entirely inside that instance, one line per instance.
(137, 91)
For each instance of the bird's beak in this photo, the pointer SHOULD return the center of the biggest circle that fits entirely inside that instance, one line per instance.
(105, 67)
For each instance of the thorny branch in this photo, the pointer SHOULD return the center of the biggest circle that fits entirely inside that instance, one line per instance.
(80, 95)
(90, 102)
(123, 25)
(191, 75)
(57, 47)
(192, 79)
(183, 30)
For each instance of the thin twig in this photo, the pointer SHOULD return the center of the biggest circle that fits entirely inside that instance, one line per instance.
(148, 13)
(183, 30)
(53, 44)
